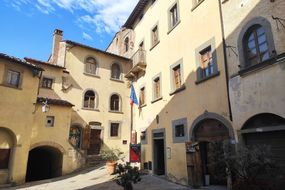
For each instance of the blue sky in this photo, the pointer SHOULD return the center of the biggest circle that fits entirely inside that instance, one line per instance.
(27, 25)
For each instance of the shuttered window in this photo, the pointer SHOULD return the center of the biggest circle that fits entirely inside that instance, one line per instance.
(177, 76)
(142, 96)
(173, 16)
(155, 38)
(156, 88)
(207, 64)
(13, 78)
(89, 99)
(115, 103)
(91, 66)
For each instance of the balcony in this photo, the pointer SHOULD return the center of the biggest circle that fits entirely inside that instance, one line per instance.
(139, 64)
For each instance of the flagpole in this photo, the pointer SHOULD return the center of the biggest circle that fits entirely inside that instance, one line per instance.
(131, 124)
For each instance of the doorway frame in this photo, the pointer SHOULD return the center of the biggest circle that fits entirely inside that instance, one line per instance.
(161, 130)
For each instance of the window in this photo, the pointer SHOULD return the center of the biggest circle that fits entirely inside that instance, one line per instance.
(173, 16)
(144, 137)
(126, 43)
(154, 36)
(4, 158)
(195, 3)
(206, 62)
(156, 88)
(115, 103)
(115, 71)
(89, 99)
(75, 136)
(47, 82)
(91, 66)
(177, 76)
(114, 129)
(255, 45)
(13, 78)
(142, 96)
(179, 130)
(50, 121)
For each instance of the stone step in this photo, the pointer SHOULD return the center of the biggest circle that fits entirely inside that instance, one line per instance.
(5, 185)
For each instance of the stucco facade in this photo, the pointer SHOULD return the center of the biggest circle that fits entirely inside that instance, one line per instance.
(180, 44)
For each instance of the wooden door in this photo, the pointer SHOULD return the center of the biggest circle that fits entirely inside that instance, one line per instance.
(95, 142)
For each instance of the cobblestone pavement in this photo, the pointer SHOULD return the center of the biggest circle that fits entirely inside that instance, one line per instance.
(98, 178)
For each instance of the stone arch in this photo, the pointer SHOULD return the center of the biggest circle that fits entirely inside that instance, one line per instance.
(49, 143)
(214, 116)
(8, 142)
(263, 22)
(263, 120)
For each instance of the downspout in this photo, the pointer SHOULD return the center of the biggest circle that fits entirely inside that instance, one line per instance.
(225, 60)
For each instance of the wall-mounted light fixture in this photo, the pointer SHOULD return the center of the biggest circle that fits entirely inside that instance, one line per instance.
(45, 107)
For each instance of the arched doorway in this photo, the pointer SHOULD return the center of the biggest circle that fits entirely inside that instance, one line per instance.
(267, 129)
(207, 133)
(7, 143)
(44, 162)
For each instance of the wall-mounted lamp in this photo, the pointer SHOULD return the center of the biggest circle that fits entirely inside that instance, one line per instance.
(45, 107)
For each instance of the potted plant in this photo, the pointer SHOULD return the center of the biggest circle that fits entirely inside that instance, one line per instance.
(127, 175)
(111, 156)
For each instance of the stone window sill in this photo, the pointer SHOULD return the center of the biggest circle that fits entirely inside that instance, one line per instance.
(113, 111)
(90, 109)
(92, 75)
(156, 100)
(256, 67)
(172, 27)
(10, 86)
(154, 45)
(117, 80)
(207, 78)
(180, 89)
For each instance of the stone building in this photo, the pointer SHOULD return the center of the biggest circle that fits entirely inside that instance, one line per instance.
(179, 75)
(255, 39)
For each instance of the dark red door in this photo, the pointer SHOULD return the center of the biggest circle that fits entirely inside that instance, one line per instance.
(95, 142)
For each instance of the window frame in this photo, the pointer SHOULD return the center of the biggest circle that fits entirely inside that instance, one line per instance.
(126, 44)
(179, 122)
(144, 141)
(140, 95)
(13, 69)
(196, 3)
(120, 70)
(199, 71)
(96, 100)
(173, 88)
(171, 25)
(49, 78)
(263, 22)
(52, 119)
(119, 129)
(119, 104)
(79, 127)
(96, 74)
(154, 98)
(153, 43)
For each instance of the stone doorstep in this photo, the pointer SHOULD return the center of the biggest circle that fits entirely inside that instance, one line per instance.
(5, 185)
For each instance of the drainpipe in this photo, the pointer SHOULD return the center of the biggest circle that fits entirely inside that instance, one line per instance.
(225, 59)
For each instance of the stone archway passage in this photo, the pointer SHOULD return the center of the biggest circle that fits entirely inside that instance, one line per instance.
(207, 133)
(44, 162)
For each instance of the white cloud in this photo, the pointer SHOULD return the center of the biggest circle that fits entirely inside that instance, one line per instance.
(106, 15)
(86, 36)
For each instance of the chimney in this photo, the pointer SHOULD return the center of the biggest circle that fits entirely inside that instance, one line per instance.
(57, 38)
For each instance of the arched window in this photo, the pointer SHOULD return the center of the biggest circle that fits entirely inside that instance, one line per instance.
(126, 43)
(255, 45)
(115, 102)
(91, 66)
(89, 99)
(75, 136)
(115, 71)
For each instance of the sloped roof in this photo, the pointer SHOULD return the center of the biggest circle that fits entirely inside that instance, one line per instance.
(136, 13)
(36, 61)
(58, 102)
(19, 61)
